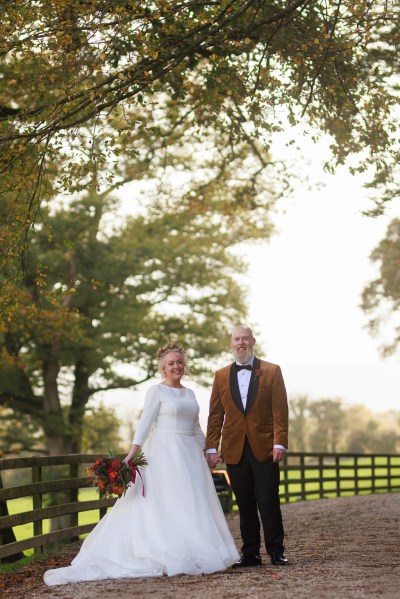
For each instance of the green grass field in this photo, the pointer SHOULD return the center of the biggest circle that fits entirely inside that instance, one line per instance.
(25, 531)
(351, 481)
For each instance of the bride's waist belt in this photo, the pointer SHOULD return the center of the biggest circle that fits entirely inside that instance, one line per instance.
(175, 431)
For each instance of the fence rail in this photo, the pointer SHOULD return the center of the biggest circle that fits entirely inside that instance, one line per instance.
(303, 476)
(69, 482)
(325, 475)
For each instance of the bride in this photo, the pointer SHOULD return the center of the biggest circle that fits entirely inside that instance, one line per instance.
(179, 526)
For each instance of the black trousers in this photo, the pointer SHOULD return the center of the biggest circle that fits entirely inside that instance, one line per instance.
(256, 487)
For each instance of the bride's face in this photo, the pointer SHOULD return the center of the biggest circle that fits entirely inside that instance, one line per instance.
(174, 367)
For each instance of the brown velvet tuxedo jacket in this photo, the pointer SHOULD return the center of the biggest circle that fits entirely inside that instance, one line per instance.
(265, 420)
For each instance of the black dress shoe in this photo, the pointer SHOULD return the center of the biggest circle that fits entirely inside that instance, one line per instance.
(248, 561)
(278, 559)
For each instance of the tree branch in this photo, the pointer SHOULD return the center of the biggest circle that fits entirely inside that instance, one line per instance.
(32, 406)
(121, 384)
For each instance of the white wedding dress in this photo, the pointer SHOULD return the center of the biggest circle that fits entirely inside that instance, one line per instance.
(178, 527)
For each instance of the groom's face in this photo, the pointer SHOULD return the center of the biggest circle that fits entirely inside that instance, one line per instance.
(242, 344)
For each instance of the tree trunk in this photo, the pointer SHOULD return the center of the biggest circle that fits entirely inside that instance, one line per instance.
(7, 534)
(80, 397)
(54, 422)
(57, 444)
(54, 427)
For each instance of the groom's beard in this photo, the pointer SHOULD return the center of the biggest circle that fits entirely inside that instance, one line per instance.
(242, 356)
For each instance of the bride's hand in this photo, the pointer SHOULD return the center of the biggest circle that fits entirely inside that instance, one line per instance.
(130, 455)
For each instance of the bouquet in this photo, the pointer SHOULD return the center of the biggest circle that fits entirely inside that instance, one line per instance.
(112, 477)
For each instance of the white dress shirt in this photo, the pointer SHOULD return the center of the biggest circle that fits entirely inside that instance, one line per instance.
(243, 378)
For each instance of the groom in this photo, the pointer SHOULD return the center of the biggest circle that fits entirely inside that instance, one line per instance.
(248, 407)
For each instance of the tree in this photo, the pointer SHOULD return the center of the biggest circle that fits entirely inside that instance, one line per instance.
(214, 170)
(299, 422)
(325, 426)
(157, 276)
(373, 439)
(165, 271)
(381, 297)
(18, 434)
(100, 431)
(329, 418)
(70, 62)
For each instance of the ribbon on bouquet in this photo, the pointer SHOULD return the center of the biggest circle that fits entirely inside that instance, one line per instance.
(135, 470)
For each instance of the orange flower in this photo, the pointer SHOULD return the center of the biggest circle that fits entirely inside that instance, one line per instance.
(115, 463)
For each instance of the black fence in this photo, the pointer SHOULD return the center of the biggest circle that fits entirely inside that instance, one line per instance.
(304, 476)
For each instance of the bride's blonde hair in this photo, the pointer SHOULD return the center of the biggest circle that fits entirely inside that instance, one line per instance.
(162, 353)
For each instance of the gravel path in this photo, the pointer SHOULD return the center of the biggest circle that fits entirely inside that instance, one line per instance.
(340, 548)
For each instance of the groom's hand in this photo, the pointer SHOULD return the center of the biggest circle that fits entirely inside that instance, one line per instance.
(278, 454)
(213, 459)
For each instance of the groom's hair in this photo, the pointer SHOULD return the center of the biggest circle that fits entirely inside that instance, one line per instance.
(242, 326)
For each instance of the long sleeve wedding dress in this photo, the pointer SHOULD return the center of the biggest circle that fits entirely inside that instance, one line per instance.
(178, 527)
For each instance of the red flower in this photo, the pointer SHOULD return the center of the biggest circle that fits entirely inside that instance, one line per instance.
(112, 474)
(115, 463)
(257, 374)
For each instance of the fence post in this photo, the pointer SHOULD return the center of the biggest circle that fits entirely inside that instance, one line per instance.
(73, 497)
(302, 474)
(373, 464)
(356, 486)
(37, 505)
(321, 476)
(337, 469)
(285, 480)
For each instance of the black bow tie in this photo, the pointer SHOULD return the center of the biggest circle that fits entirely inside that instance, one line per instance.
(245, 366)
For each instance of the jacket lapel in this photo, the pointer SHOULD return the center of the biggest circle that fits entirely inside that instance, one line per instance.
(234, 387)
(253, 386)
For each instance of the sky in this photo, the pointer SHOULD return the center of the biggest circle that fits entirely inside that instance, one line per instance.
(304, 292)
(307, 306)
(305, 289)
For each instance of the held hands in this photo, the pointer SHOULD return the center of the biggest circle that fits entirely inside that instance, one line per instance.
(213, 459)
(130, 455)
